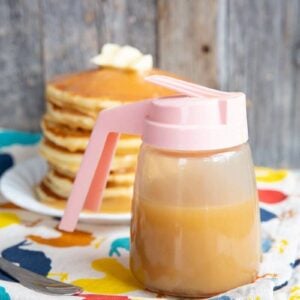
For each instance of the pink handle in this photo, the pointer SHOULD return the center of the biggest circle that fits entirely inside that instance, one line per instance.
(98, 184)
(188, 88)
(92, 176)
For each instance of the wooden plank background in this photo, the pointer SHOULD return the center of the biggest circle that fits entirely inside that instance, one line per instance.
(246, 45)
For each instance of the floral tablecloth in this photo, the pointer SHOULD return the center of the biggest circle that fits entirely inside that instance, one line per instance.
(96, 257)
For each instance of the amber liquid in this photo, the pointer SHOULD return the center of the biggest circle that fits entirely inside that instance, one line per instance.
(195, 251)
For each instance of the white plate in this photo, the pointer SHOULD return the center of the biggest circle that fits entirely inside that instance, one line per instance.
(17, 186)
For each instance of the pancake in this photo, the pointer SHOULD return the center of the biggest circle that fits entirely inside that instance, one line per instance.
(62, 186)
(73, 109)
(109, 205)
(93, 90)
(119, 173)
(119, 179)
(62, 159)
(69, 117)
(65, 137)
(77, 139)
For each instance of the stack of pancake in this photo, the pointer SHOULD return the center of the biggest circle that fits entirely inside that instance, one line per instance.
(73, 103)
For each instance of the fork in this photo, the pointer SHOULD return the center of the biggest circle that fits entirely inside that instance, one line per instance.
(37, 282)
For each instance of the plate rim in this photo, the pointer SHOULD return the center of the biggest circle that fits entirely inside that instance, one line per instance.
(38, 207)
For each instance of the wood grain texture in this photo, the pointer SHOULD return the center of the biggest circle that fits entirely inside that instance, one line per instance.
(21, 72)
(70, 35)
(293, 29)
(260, 36)
(187, 39)
(130, 22)
(253, 46)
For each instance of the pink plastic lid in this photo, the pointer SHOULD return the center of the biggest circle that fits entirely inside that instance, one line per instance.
(206, 120)
(191, 124)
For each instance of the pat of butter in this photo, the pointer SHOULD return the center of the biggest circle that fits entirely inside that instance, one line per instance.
(126, 57)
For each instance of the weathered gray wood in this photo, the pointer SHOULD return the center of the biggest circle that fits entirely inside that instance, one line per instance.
(247, 45)
(257, 57)
(21, 73)
(70, 35)
(130, 22)
(293, 12)
(187, 39)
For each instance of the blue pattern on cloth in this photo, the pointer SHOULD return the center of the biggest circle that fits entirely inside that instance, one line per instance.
(266, 244)
(13, 137)
(120, 243)
(3, 294)
(16, 145)
(6, 162)
(35, 261)
(266, 215)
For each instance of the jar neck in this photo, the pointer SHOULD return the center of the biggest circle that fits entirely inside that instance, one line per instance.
(196, 153)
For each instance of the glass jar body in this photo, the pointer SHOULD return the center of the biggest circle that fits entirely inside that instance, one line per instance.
(195, 230)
